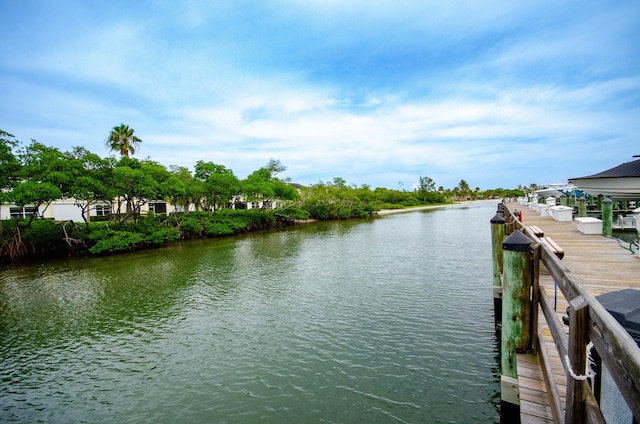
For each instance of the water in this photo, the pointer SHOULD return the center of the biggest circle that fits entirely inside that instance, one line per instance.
(386, 320)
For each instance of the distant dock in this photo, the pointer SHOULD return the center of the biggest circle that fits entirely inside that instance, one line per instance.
(538, 273)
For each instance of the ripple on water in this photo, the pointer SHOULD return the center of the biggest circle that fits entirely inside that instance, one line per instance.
(339, 322)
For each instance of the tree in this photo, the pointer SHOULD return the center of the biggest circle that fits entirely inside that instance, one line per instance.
(463, 188)
(34, 193)
(122, 140)
(135, 182)
(42, 163)
(425, 186)
(258, 188)
(275, 167)
(181, 188)
(219, 183)
(45, 176)
(9, 164)
(263, 186)
(91, 182)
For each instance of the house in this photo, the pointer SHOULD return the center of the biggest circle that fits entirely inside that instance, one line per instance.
(66, 209)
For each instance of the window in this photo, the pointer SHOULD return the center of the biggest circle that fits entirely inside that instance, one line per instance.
(103, 210)
(17, 213)
(158, 207)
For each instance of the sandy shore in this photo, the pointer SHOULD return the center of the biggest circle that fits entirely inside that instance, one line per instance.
(419, 208)
(412, 209)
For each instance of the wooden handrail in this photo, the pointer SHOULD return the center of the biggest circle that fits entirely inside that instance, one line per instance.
(613, 344)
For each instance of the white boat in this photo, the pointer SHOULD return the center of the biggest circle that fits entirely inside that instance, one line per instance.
(618, 183)
(555, 190)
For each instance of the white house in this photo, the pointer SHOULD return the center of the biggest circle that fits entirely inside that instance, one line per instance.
(66, 209)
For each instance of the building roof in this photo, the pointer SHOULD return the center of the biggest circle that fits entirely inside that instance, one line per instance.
(625, 170)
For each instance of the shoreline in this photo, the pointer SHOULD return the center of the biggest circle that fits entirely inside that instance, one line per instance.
(410, 209)
(419, 208)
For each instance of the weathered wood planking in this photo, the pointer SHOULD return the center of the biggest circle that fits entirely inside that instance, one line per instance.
(599, 263)
(534, 402)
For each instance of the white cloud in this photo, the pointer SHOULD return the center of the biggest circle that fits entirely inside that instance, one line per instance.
(350, 89)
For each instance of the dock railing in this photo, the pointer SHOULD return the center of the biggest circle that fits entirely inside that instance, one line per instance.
(593, 334)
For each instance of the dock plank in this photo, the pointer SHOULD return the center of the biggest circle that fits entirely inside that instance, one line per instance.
(534, 400)
(599, 263)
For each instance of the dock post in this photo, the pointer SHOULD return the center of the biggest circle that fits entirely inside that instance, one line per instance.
(636, 214)
(577, 361)
(516, 315)
(582, 207)
(497, 237)
(607, 216)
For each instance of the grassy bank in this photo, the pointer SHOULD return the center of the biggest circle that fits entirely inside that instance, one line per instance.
(20, 241)
(26, 240)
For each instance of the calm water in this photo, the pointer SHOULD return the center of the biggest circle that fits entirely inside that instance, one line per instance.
(387, 320)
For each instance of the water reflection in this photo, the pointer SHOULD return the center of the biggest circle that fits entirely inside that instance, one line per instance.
(336, 322)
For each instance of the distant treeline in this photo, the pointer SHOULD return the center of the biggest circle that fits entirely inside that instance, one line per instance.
(35, 175)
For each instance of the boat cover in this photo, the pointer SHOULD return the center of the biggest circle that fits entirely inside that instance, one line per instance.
(628, 169)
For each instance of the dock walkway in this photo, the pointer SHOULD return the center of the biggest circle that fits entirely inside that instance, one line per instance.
(601, 264)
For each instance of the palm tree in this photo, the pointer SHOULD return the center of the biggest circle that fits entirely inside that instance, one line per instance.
(122, 140)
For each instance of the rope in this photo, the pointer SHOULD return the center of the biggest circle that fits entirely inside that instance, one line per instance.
(589, 373)
(631, 243)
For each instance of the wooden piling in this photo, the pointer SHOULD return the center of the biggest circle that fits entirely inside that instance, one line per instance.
(582, 207)
(497, 237)
(516, 311)
(607, 216)
(588, 321)
(577, 360)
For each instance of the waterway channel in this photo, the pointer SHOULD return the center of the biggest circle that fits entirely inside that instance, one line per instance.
(381, 320)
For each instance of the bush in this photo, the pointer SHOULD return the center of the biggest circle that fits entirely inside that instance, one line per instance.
(163, 235)
(43, 232)
(318, 211)
(191, 225)
(107, 240)
(217, 229)
(295, 213)
(344, 213)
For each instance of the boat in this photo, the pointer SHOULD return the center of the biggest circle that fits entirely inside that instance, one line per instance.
(621, 182)
(555, 190)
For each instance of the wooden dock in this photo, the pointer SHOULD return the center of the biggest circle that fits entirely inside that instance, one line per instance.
(601, 264)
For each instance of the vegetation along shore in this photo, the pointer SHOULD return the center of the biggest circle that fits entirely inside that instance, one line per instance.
(125, 204)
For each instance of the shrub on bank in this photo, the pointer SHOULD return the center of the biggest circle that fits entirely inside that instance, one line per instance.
(107, 240)
(20, 241)
(46, 237)
(293, 212)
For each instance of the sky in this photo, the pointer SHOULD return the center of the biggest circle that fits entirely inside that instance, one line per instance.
(498, 93)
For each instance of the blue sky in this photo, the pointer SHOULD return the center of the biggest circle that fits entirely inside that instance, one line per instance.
(497, 93)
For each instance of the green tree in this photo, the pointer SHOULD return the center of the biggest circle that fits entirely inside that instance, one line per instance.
(35, 193)
(9, 163)
(135, 182)
(92, 181)
(45, 164)
(425, 186)
(257, 187)
(123, 140)
(275, 167)
(463, 188)
(220, 185)
(181, 188)
(45, 175)
(263, 186)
